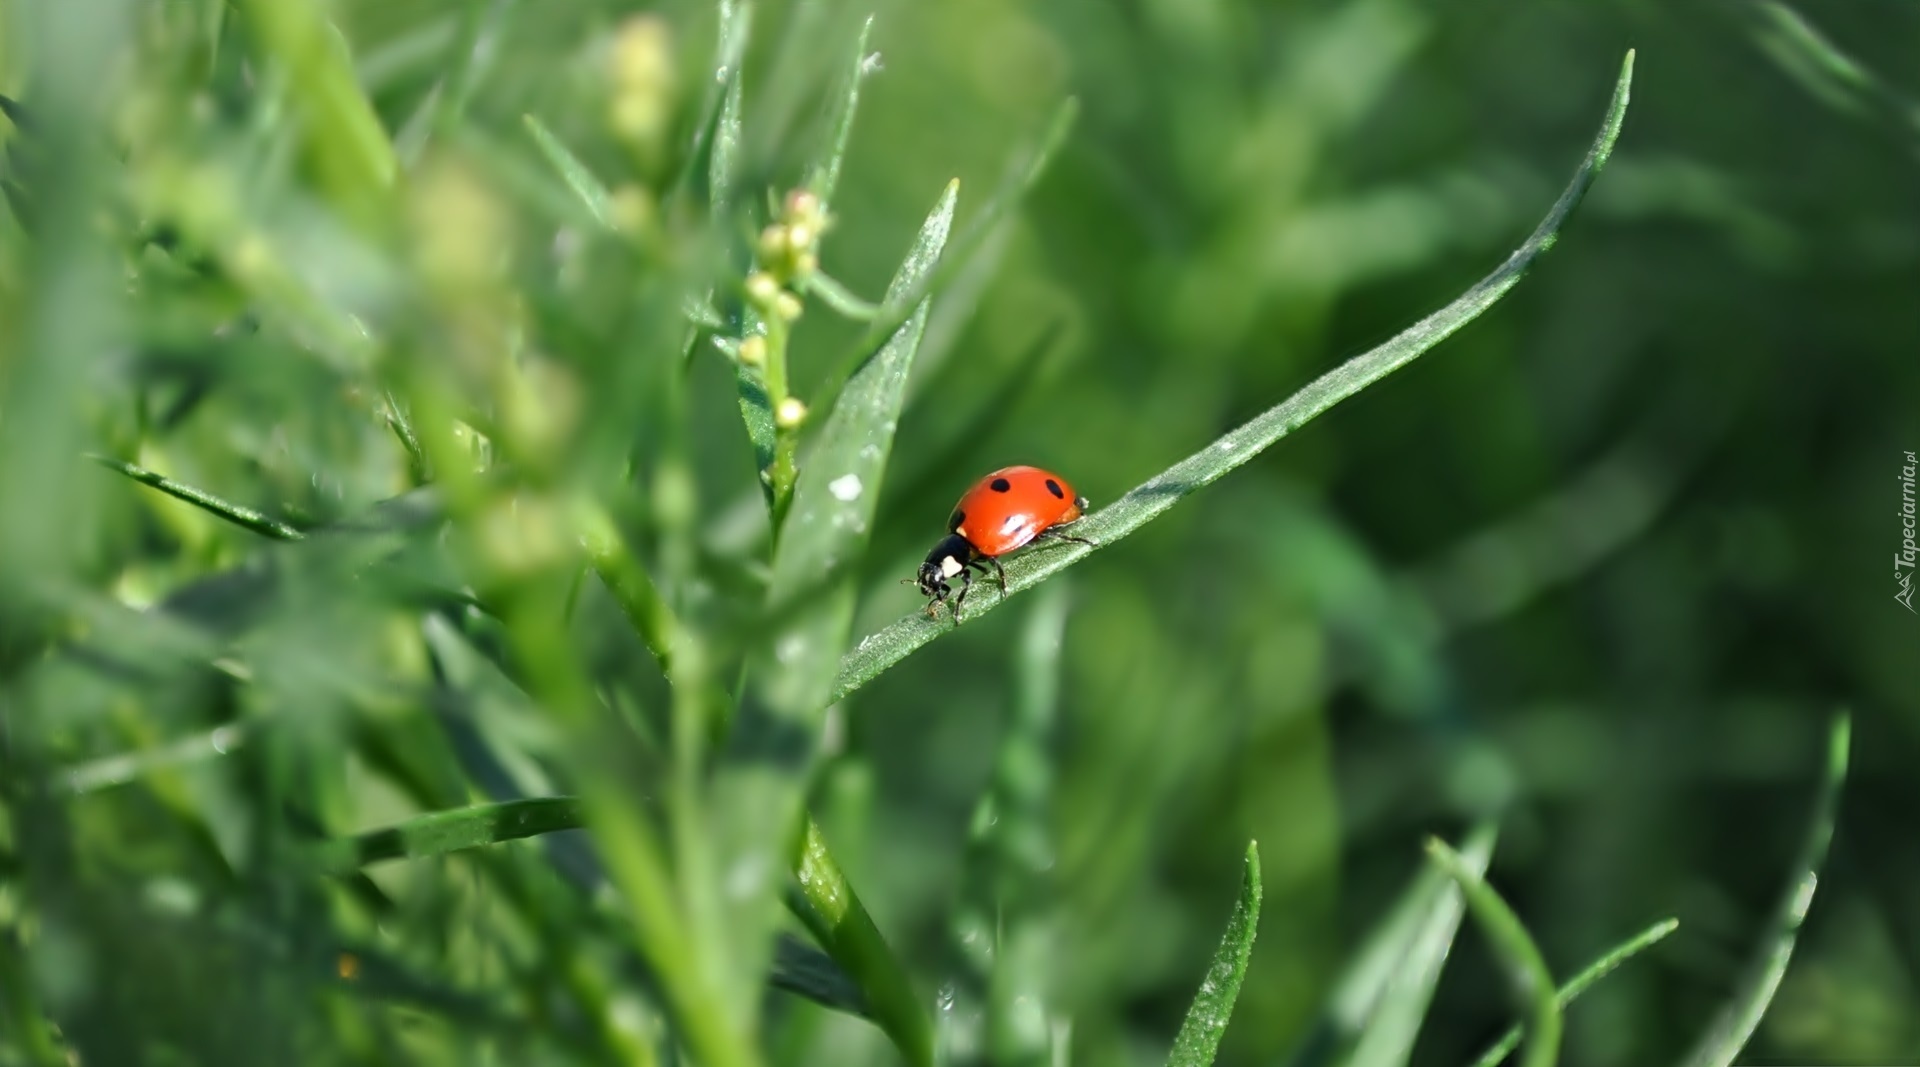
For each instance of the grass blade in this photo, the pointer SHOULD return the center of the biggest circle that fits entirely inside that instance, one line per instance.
(1375, 1010)
(831, 910)
(345, 143)
(234, 513)
(1526, 967)
(824, 175)
(1206, 1023)
(1735, 1024)
(1002, 928)
(1148, 501)
(736, 20)
(1595, 971)
(441, 832)
(797, 968)
(805, 971)
(590, 189)
(726, 143)
(760, 786)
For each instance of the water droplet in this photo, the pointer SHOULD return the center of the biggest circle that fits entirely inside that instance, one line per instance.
(845, 488)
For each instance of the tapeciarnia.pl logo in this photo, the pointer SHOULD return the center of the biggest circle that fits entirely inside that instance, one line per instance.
(1905, 557)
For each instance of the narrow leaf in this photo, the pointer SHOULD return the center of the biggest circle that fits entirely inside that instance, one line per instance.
(1735, 1024)
(344, 141)
(736, 21)
(776, 730)
(1374, 1011)
(591, 191)
(805, 971)
(832, 912)
(441, 832)
(1199, 1037)
(726, 144)
(205, 501)
(1148, 501)
(1526, 967)
(824, 175)
(1595, 971)
(1002, 928)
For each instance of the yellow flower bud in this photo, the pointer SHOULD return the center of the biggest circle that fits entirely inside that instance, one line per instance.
(762, 290)
(790, 414)
(787, 306)
(772, 249)
(753, 351)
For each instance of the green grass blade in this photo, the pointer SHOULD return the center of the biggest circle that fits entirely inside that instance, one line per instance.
(440, 832)
(1206, 1023)
(1003, 928)
(736, 22)
(1148, 501)
(1526, 967)
(470, 60)
(725, 159)
(590, 189)
(1735, 1024)
(805, 971)
(760, 786)
(832, 911)
(343, 140)
(1375, 1011)
(234, 513)
(824, 175)
(900, 305)
(1595, 971)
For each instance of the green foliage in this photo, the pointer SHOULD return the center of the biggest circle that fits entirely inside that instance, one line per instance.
(407, 654)
(1734, 1026)
(1206, 1022)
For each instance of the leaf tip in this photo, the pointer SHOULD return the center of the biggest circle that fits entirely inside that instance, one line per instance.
(1839, 742)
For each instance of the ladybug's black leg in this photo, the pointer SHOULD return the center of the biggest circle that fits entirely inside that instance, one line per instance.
(1056, 534)
(998, 572)
(966, 583)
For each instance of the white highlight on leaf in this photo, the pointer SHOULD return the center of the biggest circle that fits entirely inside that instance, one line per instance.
(845, 488)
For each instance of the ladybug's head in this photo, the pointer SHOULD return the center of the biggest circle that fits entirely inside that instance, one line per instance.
(947, 561)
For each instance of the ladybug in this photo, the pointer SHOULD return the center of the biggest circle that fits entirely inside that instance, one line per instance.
(1004, 511)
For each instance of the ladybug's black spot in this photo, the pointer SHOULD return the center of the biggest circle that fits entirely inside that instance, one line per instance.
(1054, 488)
(954, 522)
(1000, 485)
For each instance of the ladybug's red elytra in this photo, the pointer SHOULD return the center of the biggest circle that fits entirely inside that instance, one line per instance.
(1004, 511)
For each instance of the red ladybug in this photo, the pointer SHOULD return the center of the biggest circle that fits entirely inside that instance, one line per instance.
(1002, 512)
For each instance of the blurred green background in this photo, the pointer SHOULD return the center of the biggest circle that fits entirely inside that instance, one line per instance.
(1600, 566)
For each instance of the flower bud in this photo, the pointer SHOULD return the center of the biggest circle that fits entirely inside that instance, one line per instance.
(790, 414)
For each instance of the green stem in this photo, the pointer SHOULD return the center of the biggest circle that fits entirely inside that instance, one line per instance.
(1525, 965)
(786, 439)
(840, 923)
(839, 297)
(234, 513)
(1599, 969)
